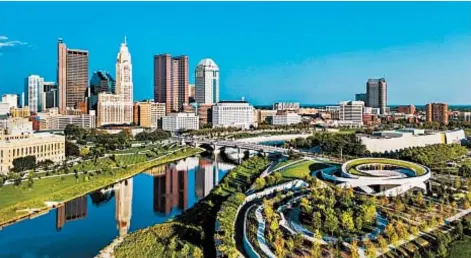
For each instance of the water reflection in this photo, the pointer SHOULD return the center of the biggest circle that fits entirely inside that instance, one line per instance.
(70, 211)
(83, 226)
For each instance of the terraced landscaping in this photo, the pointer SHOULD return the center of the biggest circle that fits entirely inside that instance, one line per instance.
(419, 170)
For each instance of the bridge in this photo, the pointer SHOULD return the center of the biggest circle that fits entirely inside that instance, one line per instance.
(217, 144)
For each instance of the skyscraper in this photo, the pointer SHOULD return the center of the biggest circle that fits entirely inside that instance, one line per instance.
(34, 85)
(207, 82)
(376, 94)
(124, 85)
(123, 193)
(437, 112)
(101, 82)
(72, 76)
(171, 81)
(49, 97)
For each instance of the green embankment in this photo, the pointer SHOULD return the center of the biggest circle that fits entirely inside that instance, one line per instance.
(15, 202)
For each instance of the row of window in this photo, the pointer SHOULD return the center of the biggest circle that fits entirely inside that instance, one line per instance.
(33, 150)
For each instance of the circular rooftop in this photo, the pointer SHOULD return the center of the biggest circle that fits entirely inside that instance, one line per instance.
(208, 62)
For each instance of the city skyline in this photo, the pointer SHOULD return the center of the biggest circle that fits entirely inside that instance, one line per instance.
(423, 53)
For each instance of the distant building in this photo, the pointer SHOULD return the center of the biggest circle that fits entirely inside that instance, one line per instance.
(464, 116)
(34, 85)
(437, 112)
(264, 115)
(408, 110)
(20, 112)
(43, 146)
(171, 81)
(50, 95)
(16, 125)
(233, 114)
(72, 75)
(180, 121)
(286, 106)
(101, 82)
(11, 100)
(361, 97)
(191, 92)
(149, 114)
(4, 108)
(110, 109)
(286, 119)
(351, 112)
(124, 83)
(60, 122)
(205, 112)
(376, 93)
(207, 82)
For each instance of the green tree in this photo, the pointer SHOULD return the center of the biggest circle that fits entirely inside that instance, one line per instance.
(370, 249)
(347, 221)
(459, 230)
(383, 244)
(316, 251)
(354, 249)
(457, 182)
(30, 179)
(358, 223)
(290, 245)
(259, 183)
(24, 163)
(419, 200)
(197, 253)
(331, 221)
(316, 220)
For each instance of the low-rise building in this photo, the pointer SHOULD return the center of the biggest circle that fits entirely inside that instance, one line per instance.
(286, 106)
(408, 110)
(351, 113)
(180, 121)
(233, 114)
(11, 99)
(205, 112)
(4, 108)
(149, 113)
(60, 122)
(286, 119)
(20, 112)
(263, 115)
(16, 125)
(44, 146)
(384, 141)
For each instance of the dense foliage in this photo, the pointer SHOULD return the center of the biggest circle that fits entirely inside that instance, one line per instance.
(71, 149)
(24, 163)
(337, 212)
(429, 155)
(331, 143)
(153, 136)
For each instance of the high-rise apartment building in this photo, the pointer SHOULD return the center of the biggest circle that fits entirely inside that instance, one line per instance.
(124, 85)
(437, 112)
(49, 96)
(351, 112)
(207, 82)
(376, 94)
(171, 81)
(34, 85)
(72, 76)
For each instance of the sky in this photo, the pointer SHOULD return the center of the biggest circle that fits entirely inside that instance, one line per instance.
(309, 52)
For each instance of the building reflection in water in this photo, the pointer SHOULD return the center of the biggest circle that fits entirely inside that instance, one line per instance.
(171, 185)
(71, 210)
(206, 178)
(123, 194)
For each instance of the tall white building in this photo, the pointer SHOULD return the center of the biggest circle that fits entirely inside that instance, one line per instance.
(351, 112)
(233, 114)
(110, 109)
(124, 85)
(34, 85)
(11, 100)
(207, 82)
(180, 121)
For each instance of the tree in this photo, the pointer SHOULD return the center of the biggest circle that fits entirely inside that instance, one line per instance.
(354, 249)
(24, 163)
(316, 251)
(370, 249)
(347, 221)
(331, 221)
(419, 200)
(459, 230)
(30, 179)
(316, 220)
(197, 253)
(457, 182)
(290, 245)
(358, 223)
(368, 212)
(259, 183)
(383, 244)
(71, 149)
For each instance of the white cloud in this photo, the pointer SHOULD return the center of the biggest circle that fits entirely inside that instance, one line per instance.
(3, 37)
(13, 43)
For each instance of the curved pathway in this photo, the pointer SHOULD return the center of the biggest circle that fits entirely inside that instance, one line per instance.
(261, 233)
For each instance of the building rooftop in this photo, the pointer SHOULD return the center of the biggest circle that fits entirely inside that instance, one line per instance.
(232, 101)
(208, 62)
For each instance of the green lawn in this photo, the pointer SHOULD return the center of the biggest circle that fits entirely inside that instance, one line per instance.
(130, 159)
(14, 199)
(300, 170)
(419, 170)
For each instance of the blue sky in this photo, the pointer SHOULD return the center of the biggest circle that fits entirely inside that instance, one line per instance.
(311, 52)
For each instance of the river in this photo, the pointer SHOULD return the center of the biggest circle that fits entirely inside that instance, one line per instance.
(82, 227)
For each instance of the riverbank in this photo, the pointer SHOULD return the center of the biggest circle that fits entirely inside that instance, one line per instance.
(192, 232)
(18, 203)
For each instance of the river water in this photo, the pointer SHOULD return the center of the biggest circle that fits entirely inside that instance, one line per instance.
(82, 227)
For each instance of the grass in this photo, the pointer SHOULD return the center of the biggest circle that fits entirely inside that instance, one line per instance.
(300, 170)
(461, 248)
(130, 159)
(419, 170)
(61, 189)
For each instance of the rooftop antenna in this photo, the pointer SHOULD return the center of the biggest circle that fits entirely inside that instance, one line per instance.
(125, 42)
